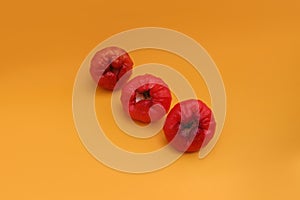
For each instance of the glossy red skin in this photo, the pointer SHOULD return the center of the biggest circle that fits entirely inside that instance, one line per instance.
(109, 65)
(201, 130)
(146, 110)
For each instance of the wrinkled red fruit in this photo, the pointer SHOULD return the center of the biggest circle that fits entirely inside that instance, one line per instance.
(109, 65)
(146, 98)
(193, 124)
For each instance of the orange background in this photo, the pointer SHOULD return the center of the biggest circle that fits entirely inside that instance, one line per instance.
(256, 47)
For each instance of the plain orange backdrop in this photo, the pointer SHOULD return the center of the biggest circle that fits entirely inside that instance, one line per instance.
(256, 46)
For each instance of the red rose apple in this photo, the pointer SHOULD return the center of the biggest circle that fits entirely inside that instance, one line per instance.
(146, 98)
(189, 126)
(109, 65)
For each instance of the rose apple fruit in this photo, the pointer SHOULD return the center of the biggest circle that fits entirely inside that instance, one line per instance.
(146, 98)
(109, 65)
(189, 125)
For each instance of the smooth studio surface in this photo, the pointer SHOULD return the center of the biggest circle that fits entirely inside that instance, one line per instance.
(255, 45)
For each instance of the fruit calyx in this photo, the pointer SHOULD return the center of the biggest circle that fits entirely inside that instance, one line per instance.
(189, 129)
(140, 96)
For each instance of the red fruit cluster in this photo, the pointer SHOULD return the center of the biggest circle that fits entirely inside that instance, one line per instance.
(109, 65)
(190, 124)
(146, 98)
